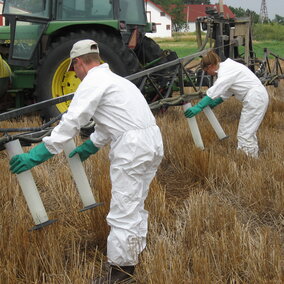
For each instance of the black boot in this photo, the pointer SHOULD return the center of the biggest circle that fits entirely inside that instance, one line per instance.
(121, 273)
(116, 274)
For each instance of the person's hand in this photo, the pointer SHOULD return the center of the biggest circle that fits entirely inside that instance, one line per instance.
(84, 150)
(215, 102)
(192, 111)
(26, 161)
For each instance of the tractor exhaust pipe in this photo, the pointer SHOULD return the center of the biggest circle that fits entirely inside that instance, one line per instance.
(29, 190)
(80, 177)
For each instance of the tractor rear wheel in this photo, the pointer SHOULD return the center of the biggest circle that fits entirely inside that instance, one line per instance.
(53, 80)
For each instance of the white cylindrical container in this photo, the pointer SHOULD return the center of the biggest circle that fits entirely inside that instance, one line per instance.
(192, 123)
(79, 175)
(28, 186)
(214, 123)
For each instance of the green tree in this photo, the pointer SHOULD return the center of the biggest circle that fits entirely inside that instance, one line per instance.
(279, 20)
(254, 16)
(178, 18)
(240, 12)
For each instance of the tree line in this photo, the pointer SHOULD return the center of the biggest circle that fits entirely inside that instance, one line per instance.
(240, 12)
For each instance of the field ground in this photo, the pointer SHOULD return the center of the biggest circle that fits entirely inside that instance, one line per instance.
(216, 216)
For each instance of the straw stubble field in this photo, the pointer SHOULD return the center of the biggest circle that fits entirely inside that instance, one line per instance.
(216, 216)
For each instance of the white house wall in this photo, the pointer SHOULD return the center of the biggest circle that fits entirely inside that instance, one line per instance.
(189, 27)
(163, 23)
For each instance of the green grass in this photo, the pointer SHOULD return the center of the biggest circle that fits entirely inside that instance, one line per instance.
(183, 45)
(182, 50)
(275, 46)
(186, 44)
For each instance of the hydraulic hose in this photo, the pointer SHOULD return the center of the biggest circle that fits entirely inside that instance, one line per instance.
(42, 127)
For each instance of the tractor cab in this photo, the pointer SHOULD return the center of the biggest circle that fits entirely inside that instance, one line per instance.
(31, 19)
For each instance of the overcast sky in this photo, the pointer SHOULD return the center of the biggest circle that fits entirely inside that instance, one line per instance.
(273, 6)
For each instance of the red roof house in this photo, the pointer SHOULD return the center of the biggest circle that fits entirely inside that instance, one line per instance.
(191, 12)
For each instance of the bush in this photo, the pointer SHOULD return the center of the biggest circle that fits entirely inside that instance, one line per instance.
(268, 32)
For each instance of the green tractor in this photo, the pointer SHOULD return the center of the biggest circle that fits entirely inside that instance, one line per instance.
(40, 33)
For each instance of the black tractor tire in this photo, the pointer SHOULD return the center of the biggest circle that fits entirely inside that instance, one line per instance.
(147, 51)
(52, 78)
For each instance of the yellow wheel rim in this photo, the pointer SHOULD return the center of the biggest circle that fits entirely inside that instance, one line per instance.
(64, 83)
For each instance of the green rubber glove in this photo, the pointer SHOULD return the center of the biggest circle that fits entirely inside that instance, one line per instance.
(215, 102)
(192, 111)
(26, 161)
(85, 150)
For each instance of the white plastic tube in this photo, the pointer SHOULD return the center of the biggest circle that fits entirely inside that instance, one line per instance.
(214, 123)
(192, 123)
(79, 175)
(28, 186)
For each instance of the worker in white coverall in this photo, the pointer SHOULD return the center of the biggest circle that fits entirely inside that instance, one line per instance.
(236, 79)
(123, 120)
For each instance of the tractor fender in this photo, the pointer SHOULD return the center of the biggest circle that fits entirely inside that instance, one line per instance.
(5, 76)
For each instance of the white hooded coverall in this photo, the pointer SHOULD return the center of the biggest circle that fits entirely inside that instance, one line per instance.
(123, 119)
(236, 79)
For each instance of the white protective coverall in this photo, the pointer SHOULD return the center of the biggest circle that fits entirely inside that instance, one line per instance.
(236, 79)
(123, 119)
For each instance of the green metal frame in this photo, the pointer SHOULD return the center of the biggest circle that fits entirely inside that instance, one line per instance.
(23, 79)
(4, 34)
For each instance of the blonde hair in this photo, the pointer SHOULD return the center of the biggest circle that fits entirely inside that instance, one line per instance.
(90, 58)
(210, 58)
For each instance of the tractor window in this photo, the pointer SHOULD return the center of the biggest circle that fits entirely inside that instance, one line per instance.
(85, 10)
(27, 35)
(132, 12)
(33, 8)
(103, 9)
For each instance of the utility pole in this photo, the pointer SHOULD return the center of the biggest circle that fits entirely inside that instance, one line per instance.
(221, 7)
(263, 15)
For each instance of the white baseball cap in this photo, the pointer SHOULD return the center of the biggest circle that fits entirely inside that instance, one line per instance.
(83, 47)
